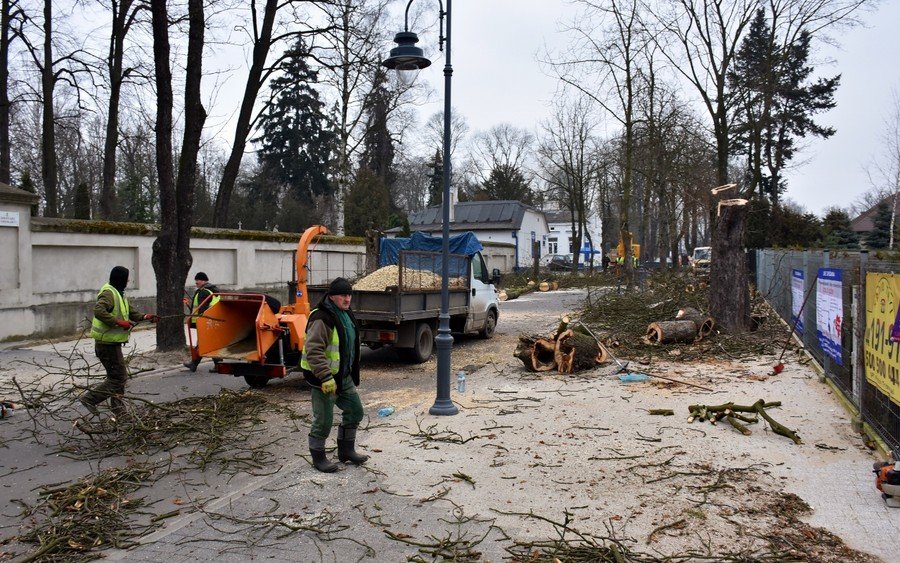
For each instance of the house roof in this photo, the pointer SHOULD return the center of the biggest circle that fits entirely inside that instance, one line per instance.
(560, 216)
(470, 215)
(865, 221)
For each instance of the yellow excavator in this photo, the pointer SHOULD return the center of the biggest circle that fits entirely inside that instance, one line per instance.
(251, 334)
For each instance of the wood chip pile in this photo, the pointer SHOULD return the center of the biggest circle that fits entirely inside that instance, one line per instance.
(388, 276)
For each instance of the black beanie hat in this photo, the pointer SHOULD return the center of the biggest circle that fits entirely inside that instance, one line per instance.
(201, 276)
(340, 286)
(118, 278)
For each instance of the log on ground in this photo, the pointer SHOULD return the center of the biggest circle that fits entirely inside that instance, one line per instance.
(536, 352)
(671, 332)
(575, 351)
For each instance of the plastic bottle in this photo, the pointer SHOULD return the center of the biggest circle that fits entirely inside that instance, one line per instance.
(461, 382)
(385, 411)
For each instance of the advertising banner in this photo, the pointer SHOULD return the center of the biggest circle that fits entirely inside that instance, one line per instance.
(797, 292)
(882, 349)
(829, 312)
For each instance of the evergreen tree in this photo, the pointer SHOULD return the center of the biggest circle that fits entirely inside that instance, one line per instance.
(378, 144)
(81, 206)
(778, 100)
(791, 227)
(367, 204)
(298, 139)
(836, 231)
(757, 231)
(27, 184)
(880, 236)
(507, 183)
(135, 201)
(436, 180)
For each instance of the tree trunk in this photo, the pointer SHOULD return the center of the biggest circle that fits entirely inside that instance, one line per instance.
(48, 134)
(120, 25)
(575, 352)
(4, 91)
(171, 249)
(261, 46)
(729, 293)
(671, 332)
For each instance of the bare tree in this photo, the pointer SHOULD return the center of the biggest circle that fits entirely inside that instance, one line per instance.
(124, 14)
(604, 62)
(9, 12)
(567, 162)
(884, 171)
(171, 249)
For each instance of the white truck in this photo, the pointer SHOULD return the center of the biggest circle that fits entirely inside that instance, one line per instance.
(405, 315)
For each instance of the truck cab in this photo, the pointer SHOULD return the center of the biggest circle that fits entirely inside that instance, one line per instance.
(701, 259)
(485, 306)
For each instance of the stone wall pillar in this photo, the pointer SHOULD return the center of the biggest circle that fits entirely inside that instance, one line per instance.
(15, 259)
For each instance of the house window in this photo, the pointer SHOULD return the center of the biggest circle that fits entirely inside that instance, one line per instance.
(552, 245)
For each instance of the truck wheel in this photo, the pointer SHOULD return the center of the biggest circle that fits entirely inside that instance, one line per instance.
(256, 381)
(490, 325)
(424, 344)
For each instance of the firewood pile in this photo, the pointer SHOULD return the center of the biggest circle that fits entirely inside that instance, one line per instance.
(690, 325)
(389, 276)
(570, 348)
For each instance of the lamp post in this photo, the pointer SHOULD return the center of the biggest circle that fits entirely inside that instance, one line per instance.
(406, 58)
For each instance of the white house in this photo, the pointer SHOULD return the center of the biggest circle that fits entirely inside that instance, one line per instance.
(559, 237)
(510, 222)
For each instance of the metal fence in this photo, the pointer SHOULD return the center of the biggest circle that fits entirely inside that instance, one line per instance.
(774, 271)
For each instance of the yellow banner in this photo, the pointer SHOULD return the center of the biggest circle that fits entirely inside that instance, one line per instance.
(882, 358)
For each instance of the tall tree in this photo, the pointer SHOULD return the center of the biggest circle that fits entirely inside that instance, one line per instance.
(368, 204)
(378, 144)
(171, 250)
(436, 179)
(777, 102)
(8, 12)
(298, 139)
(605, 64)
(124, 14)
(880, 236)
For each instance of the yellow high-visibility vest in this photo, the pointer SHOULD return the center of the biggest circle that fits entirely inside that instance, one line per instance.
(332, 352)
(102, 332)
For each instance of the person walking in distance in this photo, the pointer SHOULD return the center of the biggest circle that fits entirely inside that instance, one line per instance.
(111, 327)
(330, 363)
(204, 297)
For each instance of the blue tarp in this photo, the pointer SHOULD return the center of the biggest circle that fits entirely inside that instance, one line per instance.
(465, 243)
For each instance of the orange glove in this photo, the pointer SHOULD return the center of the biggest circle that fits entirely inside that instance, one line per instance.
(124, 324)
(151, 317)
(329, 387)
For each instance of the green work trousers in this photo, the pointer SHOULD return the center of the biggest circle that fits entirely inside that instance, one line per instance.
(323, 409)
(113, 387)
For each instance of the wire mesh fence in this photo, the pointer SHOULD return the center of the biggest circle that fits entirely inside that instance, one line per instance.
(849, 346)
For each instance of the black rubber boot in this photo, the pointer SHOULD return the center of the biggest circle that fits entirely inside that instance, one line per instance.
(192, 365)
(346, 442)
(320, 460)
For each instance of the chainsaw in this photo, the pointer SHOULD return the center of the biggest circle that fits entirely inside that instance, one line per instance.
(887, 480)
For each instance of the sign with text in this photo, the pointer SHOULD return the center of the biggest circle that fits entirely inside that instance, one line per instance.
(797, 287)
(9, 218)
(882, 352)
(829, 312)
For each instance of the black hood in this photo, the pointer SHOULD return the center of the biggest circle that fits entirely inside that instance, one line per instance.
(118, 278)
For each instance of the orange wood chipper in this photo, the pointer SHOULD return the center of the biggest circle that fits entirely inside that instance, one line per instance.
(249, 334)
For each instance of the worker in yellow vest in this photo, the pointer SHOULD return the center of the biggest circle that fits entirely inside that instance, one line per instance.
(330, 364)
(111, 327)
(204, 298)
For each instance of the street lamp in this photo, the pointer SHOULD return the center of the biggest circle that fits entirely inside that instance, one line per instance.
(407, 59)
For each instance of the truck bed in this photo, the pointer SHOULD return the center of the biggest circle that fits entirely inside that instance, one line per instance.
(392, 305)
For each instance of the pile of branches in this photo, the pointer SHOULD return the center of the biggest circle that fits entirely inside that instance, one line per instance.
(72, 522)
(621, 320)
(738, 417)
(215, 429)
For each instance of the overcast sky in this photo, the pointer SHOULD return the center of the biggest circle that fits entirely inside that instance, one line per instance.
(497, 79)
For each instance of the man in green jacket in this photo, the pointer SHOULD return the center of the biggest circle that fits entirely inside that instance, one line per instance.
(113, 320)
(330, 363)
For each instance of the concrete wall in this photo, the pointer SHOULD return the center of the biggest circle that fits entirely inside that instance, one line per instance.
(52, 268)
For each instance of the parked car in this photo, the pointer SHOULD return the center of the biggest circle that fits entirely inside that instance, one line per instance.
(557, 262)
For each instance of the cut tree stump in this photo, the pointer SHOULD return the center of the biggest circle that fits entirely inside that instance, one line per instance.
(671, 332)
(575, 351)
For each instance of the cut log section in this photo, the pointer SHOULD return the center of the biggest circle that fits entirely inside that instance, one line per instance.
(705, 324)
(536, 353)
(575, 351)
(671, 332)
